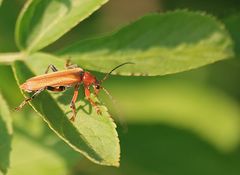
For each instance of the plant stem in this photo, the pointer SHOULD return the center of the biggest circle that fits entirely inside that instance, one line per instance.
(8, 58)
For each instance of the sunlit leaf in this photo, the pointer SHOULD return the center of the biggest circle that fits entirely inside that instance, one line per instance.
(42, 22)
(29, 158)
(206, 111)
(158, 44)
(5, 136)
(48, 152)
(91, 134)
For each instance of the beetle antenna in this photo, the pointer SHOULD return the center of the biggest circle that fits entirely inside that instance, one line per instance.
(107, 75)
(109, 95)
(122, 122)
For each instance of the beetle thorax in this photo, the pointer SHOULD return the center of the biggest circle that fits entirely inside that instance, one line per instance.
(88, 79)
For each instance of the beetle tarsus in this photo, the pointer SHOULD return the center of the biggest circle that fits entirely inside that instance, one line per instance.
(60, 80)
(28, 99)
(87, 94)
(72, 119)
(96, 107)
(23, 104)
(53, 68)
(99, 112)
(69, 65)
(72, 106)
(73, 101)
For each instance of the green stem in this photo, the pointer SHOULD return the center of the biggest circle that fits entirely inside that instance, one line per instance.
(8, 58)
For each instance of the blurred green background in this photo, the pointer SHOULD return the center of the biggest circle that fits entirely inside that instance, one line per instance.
(185, 124)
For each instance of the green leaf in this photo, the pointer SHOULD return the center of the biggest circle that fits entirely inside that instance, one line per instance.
(37, 159)
(10, 89)
(91, 134)
(159, 44)
(166, 147)
(42, 22)
(1, 1)
(5, 135)
(48, 152)
(206, 111)
(232, 24)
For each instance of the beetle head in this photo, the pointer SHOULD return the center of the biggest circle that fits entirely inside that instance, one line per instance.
(91, 80)
(97, 87)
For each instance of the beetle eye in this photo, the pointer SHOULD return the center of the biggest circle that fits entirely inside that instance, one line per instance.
(97, 87)
(81, 73)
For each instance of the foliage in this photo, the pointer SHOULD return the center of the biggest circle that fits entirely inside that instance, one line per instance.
(158, 44)
(5, 134)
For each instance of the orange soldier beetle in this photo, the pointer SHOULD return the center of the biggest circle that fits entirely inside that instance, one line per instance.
(58, 81)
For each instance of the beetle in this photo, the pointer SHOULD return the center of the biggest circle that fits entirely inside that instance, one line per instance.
(58, 81)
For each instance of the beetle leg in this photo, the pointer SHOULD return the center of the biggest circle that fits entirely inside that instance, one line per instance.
(28, 99)
(53, 68)
(73, 101)
(73, 66)
(56, 89)
(87, 94)
(69, 65)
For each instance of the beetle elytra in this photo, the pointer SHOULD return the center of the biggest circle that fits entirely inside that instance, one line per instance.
(58, 81)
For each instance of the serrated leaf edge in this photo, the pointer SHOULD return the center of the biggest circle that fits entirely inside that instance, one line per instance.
(202, 13)
(117, 164)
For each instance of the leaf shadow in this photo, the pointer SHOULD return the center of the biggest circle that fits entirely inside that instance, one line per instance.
(81, 103)
(5, 145)
(51, 112)
(151, 149)
(67, 154)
